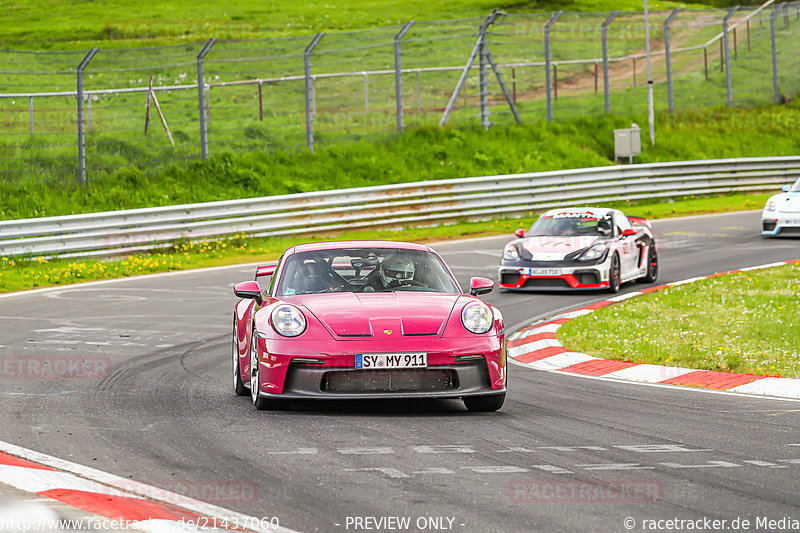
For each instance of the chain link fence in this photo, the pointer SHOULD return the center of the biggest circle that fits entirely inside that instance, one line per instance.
(80, 117)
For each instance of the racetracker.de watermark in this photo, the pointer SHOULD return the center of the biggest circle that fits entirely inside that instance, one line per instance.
(208, 490)
(55, 367)
(705, 523)
(577, 491)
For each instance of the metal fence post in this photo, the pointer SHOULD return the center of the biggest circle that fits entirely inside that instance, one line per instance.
(308, 89)
(398, 74)
(81, 134)
(476, 51)
(728, 54)
(668, 57)
(775, 86)
(604, 37)
(201, 95)
(547, 77)
(483, 62)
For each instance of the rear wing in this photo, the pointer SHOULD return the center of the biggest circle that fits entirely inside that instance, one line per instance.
(639, 221)
(265, 270)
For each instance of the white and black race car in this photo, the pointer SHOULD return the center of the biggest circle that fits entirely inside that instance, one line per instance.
(580, 248)
(781, 215)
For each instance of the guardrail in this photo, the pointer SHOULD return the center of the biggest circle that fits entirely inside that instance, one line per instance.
(407, 204)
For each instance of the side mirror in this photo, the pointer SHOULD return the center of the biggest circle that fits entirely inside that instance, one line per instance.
(478, 286)
(628, 232)
(248, 289)
(265, 270)
(520, 233)
(786, 188)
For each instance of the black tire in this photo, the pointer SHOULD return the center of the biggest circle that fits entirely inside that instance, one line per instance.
(238, 385)
(485, 404)
(652, 266)
(614, 275)
(259, 402)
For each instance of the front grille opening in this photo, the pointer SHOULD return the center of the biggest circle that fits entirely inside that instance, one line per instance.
(768, 226)
(389, 381)
(588, 277)
(509, 278)
(547, 282)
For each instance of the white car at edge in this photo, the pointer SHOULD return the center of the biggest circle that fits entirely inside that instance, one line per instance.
(781, 215)
(580, 248)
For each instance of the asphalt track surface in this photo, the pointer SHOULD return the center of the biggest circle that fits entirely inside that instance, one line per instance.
(165, 413)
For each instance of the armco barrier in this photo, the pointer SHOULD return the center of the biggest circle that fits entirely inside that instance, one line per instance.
(406, 204)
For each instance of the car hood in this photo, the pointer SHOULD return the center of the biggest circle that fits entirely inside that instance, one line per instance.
(380, 316)
(788, 202)
(555, 248)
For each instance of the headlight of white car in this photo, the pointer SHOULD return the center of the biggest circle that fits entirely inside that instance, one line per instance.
(510, 252)
(288, 321)
(770, 205)
(594, 252)
(477, 317)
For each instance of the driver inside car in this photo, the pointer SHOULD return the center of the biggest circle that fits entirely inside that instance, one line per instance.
(394, 271)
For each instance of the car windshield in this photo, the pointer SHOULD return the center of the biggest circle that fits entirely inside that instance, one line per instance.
(364, 270)
(577, 224)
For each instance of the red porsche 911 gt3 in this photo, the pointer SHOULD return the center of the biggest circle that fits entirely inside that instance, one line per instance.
(374, 319)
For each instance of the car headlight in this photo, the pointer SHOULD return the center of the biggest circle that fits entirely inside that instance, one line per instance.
(477, 317)
(288, 321)
(511, 253)
(770, 206)
(594, 252)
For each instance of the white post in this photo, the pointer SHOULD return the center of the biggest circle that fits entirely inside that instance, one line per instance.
(651, 116)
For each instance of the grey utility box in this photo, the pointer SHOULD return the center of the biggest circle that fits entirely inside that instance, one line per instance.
(628, 143)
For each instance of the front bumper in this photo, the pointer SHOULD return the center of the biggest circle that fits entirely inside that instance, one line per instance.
(457, 367)
(775, 223)
(581, 277)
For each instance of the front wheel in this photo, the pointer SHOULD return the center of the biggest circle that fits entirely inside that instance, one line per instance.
(259, 402)
(238, 384)
(485, 404)
(614, 275)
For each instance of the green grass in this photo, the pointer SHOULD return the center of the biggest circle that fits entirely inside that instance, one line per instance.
(744, 322)
(45, 150)
(419, 154)
(24, 273)
(70, 24)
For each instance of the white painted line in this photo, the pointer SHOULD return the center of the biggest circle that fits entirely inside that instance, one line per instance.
(625, 296)
(709, 464)
(389, 472)
(562, 360)
(759, 267)
(35, 480)
(500, 469)
(658, 448)
(573, 314)
(687, 281)
(616, 466)
(365, 451)
(650, 373)
(764, 463)
(553, 469)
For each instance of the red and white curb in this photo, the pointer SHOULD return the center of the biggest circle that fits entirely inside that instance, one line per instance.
(137, 505)
(536, 346)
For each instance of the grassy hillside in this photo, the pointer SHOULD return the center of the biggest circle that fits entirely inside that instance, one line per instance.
(72, 24)
(420, 154)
